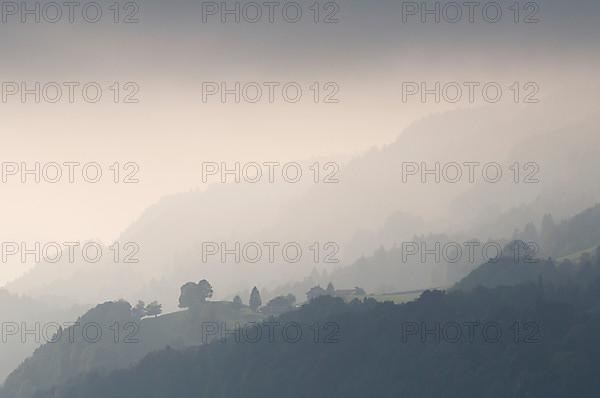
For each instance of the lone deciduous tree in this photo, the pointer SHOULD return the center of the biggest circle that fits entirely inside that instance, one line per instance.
(205, 290)
(194, 294)
(186, 297)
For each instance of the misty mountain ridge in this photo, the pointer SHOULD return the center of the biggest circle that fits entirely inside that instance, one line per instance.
(169, 233)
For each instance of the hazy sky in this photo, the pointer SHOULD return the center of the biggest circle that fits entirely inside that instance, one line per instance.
(171, 52)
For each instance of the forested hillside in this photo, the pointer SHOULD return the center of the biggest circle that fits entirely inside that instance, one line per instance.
(505, 342)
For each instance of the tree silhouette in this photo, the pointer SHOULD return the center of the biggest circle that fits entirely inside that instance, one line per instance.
(194, 294)
(154, 309)
(187, 296)
(205, 290)
(255, 300)
(237, 301)
(330, 290)
(139, 311)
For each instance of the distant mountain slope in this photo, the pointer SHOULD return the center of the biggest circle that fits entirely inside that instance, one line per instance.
(21, 314)
(371, 192)
(392, 269)
(507, 272)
